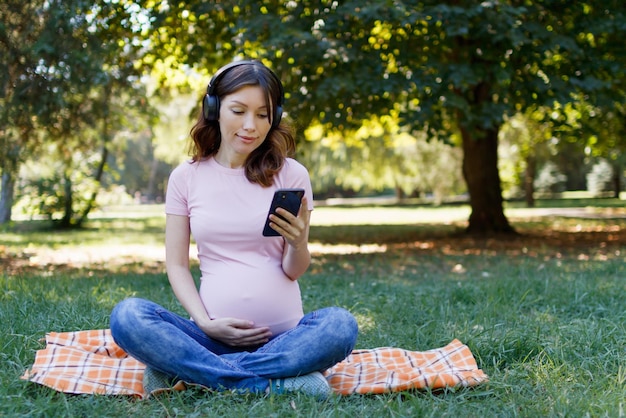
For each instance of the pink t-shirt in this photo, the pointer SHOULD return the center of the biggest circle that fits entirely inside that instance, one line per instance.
(242, 275)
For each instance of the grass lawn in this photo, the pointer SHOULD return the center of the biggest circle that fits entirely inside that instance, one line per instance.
(544, 312)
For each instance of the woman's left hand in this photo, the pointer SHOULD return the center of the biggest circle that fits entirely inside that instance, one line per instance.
(295, 229)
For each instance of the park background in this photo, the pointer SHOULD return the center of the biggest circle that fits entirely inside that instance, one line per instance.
(467, 158)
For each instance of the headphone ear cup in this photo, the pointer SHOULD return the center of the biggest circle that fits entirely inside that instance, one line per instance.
(277, 116)
(211, 107)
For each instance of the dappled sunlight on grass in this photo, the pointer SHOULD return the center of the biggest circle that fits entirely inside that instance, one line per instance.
(47, 261)
(542, 311)
(115, 255)
(134, 242)
(366, 322)
(317, 248)
(328, 216)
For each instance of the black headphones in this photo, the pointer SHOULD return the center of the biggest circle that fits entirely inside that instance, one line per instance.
(211, 103)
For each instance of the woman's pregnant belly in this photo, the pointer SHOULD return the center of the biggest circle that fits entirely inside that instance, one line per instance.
(266, 297)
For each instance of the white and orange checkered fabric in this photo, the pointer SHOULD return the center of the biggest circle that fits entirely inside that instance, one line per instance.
(89, 362)
(388, 369)
(86, 362)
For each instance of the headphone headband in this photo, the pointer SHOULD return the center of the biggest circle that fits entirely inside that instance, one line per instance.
(211, 103)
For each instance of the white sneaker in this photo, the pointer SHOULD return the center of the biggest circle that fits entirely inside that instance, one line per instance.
(313, 384)
(156, 381)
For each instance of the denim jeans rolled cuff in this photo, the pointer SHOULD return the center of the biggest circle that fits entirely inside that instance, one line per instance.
(177, 347)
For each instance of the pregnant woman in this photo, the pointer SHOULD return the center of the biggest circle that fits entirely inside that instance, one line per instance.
(246, 329)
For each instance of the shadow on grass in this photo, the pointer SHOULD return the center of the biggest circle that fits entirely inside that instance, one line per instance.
(546, 235)
(542, 312)
(136, 245)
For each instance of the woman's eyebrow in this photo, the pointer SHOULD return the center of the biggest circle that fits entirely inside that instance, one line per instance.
(245, 105)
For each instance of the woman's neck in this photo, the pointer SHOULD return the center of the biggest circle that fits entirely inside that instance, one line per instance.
(229, 161)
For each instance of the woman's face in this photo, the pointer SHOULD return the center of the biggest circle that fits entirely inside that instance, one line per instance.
(244, 123)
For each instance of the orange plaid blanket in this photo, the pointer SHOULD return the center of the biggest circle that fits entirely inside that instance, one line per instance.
(90, 362)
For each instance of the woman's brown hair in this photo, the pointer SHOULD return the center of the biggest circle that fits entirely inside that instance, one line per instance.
(267, 160)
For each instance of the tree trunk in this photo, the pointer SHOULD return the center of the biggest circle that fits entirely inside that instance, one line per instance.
(400, 195)
(68, 199)
(480, 170)
(7, 189)
(98, 177)
(104, 156)
(617, 179)
(529, 181)
(151, 191)
(10, 169)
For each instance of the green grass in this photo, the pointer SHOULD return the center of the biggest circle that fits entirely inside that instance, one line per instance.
(544, 313)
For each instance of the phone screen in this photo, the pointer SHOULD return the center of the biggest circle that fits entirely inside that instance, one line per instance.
(289, 199)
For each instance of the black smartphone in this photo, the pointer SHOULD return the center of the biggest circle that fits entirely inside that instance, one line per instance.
(289, 199)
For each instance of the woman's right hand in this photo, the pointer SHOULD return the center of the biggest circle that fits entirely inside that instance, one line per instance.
(236, 332)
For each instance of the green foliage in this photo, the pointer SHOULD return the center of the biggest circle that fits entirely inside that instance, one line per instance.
(72, 68)
(44, 185)
(380, 156)
(482, 60)
(449, 69)
(446, 67)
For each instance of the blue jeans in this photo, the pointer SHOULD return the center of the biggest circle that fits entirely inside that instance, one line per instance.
(179, 348)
